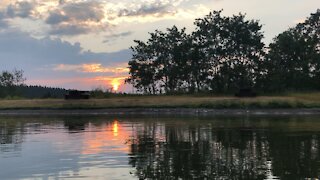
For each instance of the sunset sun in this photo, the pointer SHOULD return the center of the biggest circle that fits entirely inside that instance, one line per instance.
(115, 84)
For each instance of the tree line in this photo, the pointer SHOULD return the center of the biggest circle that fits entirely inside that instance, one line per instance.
(12, 85)
(226, 53)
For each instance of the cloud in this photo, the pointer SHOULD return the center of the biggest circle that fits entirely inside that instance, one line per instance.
(74, 12)
(155, 8)
(77, 18)
(152, 11)
(74, 18)
(3, 22)
(113, 37)
(107, 76)
(23, 9)
(22, 47)
(49, 58)
(127, 33)
(69, 29)
(91, 68)
(56, 17)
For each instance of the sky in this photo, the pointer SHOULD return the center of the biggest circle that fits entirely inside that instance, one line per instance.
(84, 44)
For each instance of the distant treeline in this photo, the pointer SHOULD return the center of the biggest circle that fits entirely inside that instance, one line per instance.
(12, 86)
(224, 54)
(31, 92)
(42, 92)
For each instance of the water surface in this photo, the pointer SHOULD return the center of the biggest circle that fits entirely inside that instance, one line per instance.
(159, 147)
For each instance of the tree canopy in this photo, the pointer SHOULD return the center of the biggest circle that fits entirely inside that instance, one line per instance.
(224, 54)
(293, 59)
(9, 81)
(14, 78)
(220, 55)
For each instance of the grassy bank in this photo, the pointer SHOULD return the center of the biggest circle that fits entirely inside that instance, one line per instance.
(294, 100)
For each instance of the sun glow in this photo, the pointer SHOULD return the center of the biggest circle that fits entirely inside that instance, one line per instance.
(115, 84)
(115, 128)
(110, 137)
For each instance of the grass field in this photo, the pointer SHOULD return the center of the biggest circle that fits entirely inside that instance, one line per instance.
(294, 100)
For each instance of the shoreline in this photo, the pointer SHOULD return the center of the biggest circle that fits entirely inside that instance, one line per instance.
(159, 111)
(300, 104)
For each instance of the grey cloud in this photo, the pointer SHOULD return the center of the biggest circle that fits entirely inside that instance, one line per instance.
(92, 11)
(21, 9)
(56, 18)
(157, 7)
(69, 29)
(72, 18)
(73, 29)
(62, 2)
(83, 11)
(17, 9)
(3, 22)
(113, 37)
(19, 50)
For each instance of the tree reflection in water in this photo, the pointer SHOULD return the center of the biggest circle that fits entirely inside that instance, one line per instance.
(11, 135)
(205, 151)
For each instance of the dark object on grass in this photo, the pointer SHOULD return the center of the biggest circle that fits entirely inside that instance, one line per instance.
(74, 94)
(246, 92)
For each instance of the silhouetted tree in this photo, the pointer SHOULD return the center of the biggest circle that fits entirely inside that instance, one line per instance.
(221, 55)
(294, 56)
(232, 46)
(225, 54)
(142, 68)
(9, 81)
(157, 65)
(14, 78)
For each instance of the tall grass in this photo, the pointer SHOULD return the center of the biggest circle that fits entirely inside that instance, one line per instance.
(184, 101)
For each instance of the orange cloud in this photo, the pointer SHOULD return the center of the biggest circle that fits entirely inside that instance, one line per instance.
(90, 68)
(115, 82)
(100, 68)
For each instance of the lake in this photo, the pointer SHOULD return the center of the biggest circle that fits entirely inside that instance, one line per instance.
(160, 147)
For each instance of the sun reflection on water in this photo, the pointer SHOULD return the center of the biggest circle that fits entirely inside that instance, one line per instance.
(115, 128)
(109, 138)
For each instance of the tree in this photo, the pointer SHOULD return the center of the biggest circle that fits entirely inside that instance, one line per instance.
(232, 48)
(157, 65)
(14, 78)
(171, 58)
(221, 55)
(225, 54)
(9, 81)
(6, 79)
(294, 56)
(141, 69)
